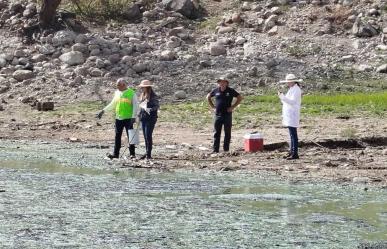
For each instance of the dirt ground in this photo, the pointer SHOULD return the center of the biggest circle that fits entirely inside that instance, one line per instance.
(343, 150)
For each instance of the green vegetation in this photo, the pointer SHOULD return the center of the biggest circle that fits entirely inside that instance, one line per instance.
(102, 9)
(257, 109)
(210, 23)
(254, 110)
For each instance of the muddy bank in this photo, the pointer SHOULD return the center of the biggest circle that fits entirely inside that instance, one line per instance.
(357, 161)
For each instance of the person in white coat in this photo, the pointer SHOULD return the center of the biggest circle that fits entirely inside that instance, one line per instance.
(291, 108)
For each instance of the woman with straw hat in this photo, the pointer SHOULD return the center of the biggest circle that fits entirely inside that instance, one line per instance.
(291, 108)
(149, 105)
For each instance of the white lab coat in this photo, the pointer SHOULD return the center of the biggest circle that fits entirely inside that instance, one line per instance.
(291, 106)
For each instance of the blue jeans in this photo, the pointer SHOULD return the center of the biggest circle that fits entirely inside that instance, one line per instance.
(148, 126)
(120, 125)
(293, 141)
(226, 121)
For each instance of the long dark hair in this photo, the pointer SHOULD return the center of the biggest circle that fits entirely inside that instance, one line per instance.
(147, 94)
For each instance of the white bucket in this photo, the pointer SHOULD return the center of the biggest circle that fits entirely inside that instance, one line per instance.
(253, 136)
(134, 137)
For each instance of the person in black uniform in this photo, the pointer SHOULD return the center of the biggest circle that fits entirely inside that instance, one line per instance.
(223, 109)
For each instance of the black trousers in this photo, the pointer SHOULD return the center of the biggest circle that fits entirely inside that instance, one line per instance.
(224, 120)
(293, 141)
(148, 126)
(120, 125)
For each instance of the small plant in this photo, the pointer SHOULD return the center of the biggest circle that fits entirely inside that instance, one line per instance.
(349, 133)
(297, 51)
(210, 24)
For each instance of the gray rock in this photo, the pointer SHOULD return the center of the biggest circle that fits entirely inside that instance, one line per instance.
(78, 80)
(270, 23)
(81, 71)
(188, 8)
(21, 75)
(95, 72)
(63, 37)
(240, 40)
(224, 30)
(132, 13)
(180, 95)
(38, 58)
(217, 49)
(95, 52)
(99, 63)
(139, 67)
(3, 62)
(4, 89)
(47, 49)
(205, 63)
(361, 29)
(72, 58)
(80, 48)
(246, 6)
(382, 69)
(167, 55)
(273, 31)
(81, 38)
(20, 53)
(174, 42)
(128, 60)
(363, 68)
(114, 58)
(253, 71)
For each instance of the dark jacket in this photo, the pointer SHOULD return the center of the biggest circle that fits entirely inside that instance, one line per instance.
(153, 104)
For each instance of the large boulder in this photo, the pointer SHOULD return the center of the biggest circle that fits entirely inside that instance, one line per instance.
(72, 58)
(188, 8)
(21, 75)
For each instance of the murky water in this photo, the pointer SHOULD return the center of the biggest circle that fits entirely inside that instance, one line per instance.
(46, 205)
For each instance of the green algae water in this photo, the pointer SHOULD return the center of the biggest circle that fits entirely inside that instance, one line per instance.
(46, 205)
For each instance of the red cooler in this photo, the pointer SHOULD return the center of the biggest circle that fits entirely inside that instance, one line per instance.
(253, 142)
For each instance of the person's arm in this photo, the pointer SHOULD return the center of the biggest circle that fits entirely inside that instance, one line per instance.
(209, 100)
(155, 103)
(112, 103)
(239, 99)
(109, 107)
(294, 98)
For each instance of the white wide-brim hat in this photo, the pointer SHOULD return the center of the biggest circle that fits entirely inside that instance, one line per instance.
(290, 78)
(145, 83)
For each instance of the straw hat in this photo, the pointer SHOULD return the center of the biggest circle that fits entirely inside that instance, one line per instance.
(145, 83)
(222, 78)
(290, 78)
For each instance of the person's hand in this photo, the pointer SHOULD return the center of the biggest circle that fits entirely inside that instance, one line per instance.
(99, 114)
(148, 110)
(230, 109)
(133, 120)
